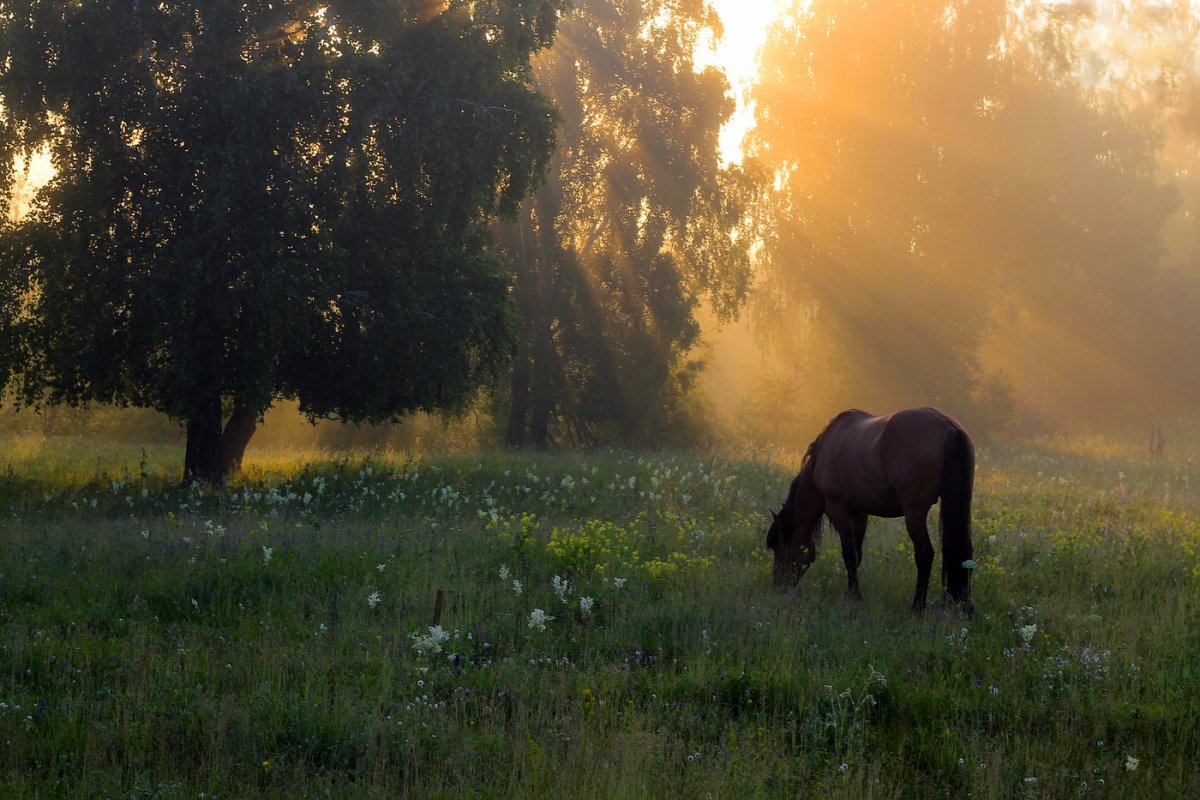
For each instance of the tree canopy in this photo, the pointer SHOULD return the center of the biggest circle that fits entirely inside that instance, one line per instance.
(255, 200)
(638, 223)
(938, 178)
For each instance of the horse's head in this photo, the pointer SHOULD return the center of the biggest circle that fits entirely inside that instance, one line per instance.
(794, 545)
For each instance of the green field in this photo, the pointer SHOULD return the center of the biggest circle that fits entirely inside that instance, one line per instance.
(609, 630)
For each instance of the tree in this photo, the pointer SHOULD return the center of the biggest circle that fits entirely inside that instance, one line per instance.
(257, 200)
(637, 224)
(935, 174)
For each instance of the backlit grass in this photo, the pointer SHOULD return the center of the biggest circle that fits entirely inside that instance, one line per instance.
(609, 631)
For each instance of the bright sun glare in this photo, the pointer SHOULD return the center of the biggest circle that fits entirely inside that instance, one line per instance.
(745, 24)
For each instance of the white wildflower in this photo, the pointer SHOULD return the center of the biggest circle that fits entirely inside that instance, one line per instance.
(373, 598)
(267, 553)
(1131, 763)
(538, 620)
(504, 573)
(1027, 632)
(969, 564)
(585, 606)
(431, 641)
(517, 587)
(619, 583)
(561, 586)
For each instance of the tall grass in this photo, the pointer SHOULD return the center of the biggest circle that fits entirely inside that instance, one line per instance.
(276, 639)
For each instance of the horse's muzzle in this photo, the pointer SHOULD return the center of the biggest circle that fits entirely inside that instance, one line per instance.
(790, 575)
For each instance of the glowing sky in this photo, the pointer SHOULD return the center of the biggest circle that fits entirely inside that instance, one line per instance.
(745, 27)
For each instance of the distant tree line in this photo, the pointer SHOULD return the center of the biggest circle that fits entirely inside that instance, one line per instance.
(374, 208)
(970, 195)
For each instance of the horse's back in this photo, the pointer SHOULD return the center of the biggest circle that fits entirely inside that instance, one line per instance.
(850, 468)
(885, 465)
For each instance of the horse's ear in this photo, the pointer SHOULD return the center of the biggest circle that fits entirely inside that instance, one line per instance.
(774, 516)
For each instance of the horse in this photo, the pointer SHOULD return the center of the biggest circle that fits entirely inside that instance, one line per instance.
(892, 466)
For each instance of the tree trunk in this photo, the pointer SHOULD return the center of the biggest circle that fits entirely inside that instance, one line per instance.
(518, 400)
(212, 453)
(202, 458)
(238, 430)
(543, 350)
(527, 268)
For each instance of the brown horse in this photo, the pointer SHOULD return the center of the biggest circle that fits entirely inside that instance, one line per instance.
(893, 466)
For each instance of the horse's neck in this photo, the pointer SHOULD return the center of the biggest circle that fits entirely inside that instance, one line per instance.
(804, 498)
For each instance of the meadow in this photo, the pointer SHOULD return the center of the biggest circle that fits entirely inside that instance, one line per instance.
(609, 629)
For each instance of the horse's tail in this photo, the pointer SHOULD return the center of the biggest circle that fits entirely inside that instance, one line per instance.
(958, 480)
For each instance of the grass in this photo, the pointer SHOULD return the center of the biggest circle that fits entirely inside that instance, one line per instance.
(275, 639)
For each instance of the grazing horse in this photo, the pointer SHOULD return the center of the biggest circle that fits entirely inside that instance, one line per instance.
(893, 466)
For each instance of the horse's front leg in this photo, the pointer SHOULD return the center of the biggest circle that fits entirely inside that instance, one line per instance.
(850, 528)
(918, 531)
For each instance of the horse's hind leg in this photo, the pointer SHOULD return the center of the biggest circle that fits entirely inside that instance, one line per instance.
(918, 531)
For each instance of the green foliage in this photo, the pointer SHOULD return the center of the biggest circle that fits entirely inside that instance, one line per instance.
(256, 200)
(274, 639)
(637, 225)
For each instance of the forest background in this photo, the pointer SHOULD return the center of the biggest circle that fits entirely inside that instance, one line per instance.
(985, 206)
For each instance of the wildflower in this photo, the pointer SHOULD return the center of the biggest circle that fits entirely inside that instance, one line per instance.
(619, 583)
(517, 587)
(431, 641)
(969, 564)
(504, 573)
(373, 599)
(561, 586)
(585, 606)
(1131, 763)
(380, 567)
(538, 619)
(267, 553)
(1027, 633)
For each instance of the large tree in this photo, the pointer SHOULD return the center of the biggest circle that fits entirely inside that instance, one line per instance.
(255, 200)
(637, 225)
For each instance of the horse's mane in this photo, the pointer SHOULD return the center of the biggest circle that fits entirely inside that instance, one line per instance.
(805, 473)
(806, 467)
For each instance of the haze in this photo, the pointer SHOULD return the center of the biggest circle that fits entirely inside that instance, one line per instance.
(985, 206)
